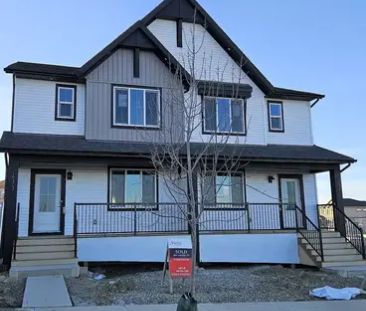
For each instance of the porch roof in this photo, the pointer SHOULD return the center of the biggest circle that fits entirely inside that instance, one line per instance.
(77, 145)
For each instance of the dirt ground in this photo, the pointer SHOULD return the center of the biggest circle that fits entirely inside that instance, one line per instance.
(126, 285)
(11, 291)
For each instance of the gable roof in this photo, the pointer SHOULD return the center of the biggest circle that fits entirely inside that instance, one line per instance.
(139, 36)
(352, 202)
(186, 9)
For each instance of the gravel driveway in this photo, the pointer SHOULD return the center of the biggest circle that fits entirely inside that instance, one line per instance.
(124, 285)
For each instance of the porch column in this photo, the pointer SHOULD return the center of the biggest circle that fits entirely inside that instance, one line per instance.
(337, 198)
(10, 202)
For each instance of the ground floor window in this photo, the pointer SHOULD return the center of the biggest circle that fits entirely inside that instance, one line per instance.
(132, 186)
(222, 189)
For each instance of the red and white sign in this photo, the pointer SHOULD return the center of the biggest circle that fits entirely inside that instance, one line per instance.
(180, 258)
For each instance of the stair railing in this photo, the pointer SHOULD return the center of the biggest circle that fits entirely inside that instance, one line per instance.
(16, 232)
(309, 231)
(349, 230)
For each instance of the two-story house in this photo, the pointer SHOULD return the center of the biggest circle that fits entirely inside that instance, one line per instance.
(80, 182)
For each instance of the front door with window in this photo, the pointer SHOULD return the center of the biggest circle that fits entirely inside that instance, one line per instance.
(48, 202)
(291, 197)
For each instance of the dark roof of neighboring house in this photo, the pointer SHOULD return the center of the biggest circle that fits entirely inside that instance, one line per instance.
(353, 202)
(78, 145)
(138, 36)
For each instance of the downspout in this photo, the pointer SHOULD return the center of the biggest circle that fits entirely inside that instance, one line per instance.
(314, 103)
(346, 167)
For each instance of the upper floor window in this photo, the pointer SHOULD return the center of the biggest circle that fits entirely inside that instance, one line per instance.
(136, 107)
(223, 189)
(133, 186)
(65, 102)
(275, 116)
(224, 115)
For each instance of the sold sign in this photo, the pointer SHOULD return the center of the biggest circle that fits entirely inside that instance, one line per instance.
(180, 258)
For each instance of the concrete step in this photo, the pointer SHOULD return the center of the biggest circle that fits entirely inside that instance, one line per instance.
(333, 240)
(42, 262)
(343, 245)
(344, 263)
(65, 267)
(331, 234)
(45, 255)
(338, 251)
(44, 241)
(338, 258)
(45, 248)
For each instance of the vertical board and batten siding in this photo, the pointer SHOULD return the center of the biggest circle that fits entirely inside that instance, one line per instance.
(219, 66)
(118, 69)
(34, 109)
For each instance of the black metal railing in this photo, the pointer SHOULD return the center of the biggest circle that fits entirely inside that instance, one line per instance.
(309, 231)
(247, 216)
(138, 218)
(130, 218)
(337, 220)
(16, 232)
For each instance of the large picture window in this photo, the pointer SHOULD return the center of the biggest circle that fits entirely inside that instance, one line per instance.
(132, 186)
(136, 107)
(275, 116)
(225, 189)
(65, 102)
(224, 115)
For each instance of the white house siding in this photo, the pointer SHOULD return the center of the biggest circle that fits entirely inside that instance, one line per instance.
(249, 248)
(34, 109)
(259, 190)
(219, 66)
(90, 185)
(297, 123)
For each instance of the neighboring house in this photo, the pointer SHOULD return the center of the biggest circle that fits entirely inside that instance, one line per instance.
(79, 172)
(356, 210)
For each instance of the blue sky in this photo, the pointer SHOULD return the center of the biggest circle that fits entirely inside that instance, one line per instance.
(309, 45)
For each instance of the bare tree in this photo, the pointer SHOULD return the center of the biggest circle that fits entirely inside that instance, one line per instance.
(184, 159)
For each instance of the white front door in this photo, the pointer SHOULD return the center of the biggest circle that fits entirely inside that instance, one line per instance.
(291, 195)
(47, 203)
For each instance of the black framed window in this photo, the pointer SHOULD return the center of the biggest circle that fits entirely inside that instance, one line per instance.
(65, 102)
(136, 107)
(223, 189)
(224, 115)
(132, 186)
(275, 116)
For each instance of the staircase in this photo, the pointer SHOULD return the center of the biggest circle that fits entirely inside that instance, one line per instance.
(44, 255)
(338, 253)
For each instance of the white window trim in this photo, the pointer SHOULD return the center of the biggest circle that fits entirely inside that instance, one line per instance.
(128, 124)
(217, 116)
(280, 117)
(125, 171)
(60, 102)
(243, 181)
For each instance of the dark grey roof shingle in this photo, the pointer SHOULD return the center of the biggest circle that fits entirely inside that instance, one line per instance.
(63, 144)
